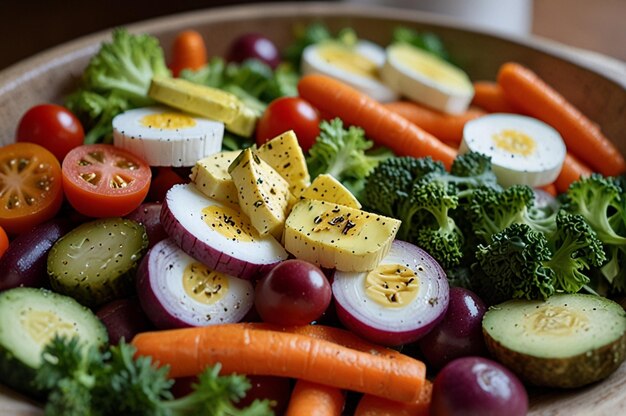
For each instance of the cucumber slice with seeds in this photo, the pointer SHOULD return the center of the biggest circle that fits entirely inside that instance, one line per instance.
(96, 262)
(29, 318)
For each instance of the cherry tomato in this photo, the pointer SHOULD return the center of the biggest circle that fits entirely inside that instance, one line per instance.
(4, 242)
(52, 126)
(102, 180)
(289, 113)
(294, 292)
(31, 190)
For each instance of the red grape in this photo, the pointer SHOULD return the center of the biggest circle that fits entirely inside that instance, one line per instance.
(460, 332)
(294, 292)
(477, 386)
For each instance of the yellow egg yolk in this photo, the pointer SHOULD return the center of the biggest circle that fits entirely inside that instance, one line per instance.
(204, 285)
(168, 121)
(347, 59)
(392, 285)
(230, 223)
(515, 142)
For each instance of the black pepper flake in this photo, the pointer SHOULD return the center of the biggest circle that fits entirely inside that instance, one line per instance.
(349, 225)
(258, 203)
(317, 220)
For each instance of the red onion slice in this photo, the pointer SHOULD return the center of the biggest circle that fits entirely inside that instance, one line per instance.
(403, 298)
(177, 291)
(242, 253)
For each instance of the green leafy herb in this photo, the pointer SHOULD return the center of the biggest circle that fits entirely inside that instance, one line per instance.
(344, 154)
(87, 382)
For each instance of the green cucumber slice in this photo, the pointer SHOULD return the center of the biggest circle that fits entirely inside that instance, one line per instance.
(29, 318)
(96, 262)
(566, 341)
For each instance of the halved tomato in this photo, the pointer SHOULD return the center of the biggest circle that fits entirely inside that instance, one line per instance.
(101, 180)
(31, 190)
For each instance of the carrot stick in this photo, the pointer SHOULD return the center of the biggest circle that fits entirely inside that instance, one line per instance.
(571, 171)
(490, 97)
(314, 399)
(188, 52)
(583, 138)
(446, 127)
(245, 350)
(378, 406)
(382, 125)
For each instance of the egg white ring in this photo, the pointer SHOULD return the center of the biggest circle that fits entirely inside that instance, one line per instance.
(540, 168)
(166, 147)
(186, 204)
(424, 90)
(312, 63)
(169, 265)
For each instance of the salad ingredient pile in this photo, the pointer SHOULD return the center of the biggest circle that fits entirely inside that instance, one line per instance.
(346, 222)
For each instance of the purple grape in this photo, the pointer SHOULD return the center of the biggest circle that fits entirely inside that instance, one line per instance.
(476, 386)
(254, 45)
(459, 334)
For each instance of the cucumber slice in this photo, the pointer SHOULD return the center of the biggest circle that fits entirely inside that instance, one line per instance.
(96, 262)
(29, 318)
(566, 341)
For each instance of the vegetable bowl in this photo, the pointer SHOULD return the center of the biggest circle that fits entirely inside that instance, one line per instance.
(598, 91)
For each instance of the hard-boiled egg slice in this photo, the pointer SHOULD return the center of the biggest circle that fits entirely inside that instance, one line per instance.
(523, 150)
(356, 66)
(167, 137)
(427, 79)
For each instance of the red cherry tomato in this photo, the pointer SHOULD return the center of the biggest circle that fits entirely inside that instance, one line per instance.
(53, 127)
(289, 113)
(102, 180)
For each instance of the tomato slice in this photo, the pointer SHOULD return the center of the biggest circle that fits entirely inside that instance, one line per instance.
(102, 180)
(31, 189)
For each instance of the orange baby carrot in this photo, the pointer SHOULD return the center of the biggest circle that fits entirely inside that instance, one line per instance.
(382, 125)
(244, 350)
(378, 406)
(571, 171)
(312, 399)
(583, 138)
(188, 52)
(489, 96)
(445, 127)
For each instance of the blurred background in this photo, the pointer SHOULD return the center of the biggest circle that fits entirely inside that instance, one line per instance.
(30, 26)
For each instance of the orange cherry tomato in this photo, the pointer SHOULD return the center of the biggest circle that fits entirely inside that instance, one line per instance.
(101, 180)
(4, 242)
(31, 189)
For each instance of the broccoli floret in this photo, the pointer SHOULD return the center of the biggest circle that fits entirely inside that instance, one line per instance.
(343, 153)
(436, 232)
(512, 266)
(120, 71)
(471, 171)
(491, 211)
(388, 186)
(406, 188)
(602, 203)
(522, 263)
(575, 247)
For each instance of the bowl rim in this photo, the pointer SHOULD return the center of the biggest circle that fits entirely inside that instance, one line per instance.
(87, 45)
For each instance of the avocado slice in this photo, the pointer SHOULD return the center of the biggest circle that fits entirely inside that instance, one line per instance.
(567, 341)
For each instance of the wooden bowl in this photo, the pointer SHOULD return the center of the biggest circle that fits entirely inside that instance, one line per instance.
(598, 90)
